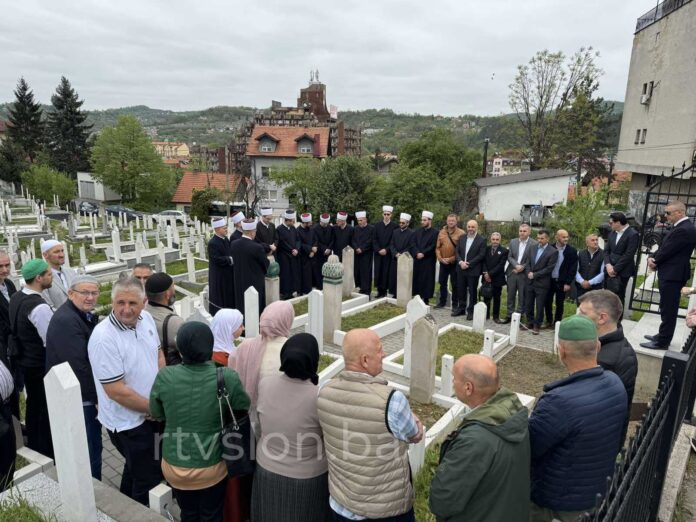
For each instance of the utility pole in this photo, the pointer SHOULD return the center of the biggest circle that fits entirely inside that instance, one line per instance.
(485, 157)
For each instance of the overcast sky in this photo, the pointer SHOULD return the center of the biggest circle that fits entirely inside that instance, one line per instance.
(445, 57)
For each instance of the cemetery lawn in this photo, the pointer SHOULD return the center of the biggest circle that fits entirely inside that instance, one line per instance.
(302, 307)
(16, 509)
(428, 414)
(422, 484)
(524, 370)
(371, 317)
(179, 267)
(324, 362)
(455, 343)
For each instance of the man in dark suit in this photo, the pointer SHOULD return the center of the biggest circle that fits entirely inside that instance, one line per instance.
(384, 230)
(342, 235)
(323, 236)
(619, 255)
(518, 266)
(672, 262)
(7, 289)
(401, 242)
(251, 265)
(541, 264)
(494, 274)
(266, 231)
(562, 277)
(470, 254)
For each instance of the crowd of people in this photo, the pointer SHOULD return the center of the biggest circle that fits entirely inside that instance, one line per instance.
(164, 389)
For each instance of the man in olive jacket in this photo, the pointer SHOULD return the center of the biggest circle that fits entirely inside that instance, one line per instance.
(484, 464)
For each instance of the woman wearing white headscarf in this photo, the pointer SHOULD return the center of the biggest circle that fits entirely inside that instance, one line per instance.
(227, 326)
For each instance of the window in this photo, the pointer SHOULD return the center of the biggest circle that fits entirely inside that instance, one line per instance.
(272, 195)
(267, 146)
(642, 139)
(637, 137)
(650, 88)
(305, 147)
(645, 88)
(265, 172)
(87, 189)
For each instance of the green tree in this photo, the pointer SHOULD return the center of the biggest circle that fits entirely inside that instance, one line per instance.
(541, 91)
(43, 182)
(124, 159)
(26, 130)
(299, 182)
(414, 189)
(13, 161)
(201, 201)
(67, 133)
(579, 216)
(344, 183)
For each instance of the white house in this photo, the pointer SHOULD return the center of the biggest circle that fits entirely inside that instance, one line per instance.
(90, 189)
(501, 198)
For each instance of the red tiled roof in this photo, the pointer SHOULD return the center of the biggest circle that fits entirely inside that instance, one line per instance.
(200, 180)
(287, 137)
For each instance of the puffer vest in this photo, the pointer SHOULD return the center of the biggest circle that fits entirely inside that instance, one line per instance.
(369, 472)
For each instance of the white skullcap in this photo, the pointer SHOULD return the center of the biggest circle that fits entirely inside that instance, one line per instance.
(405, 216)
(219, 222)
(387, 208)
(249, 225)
(360, 214)
(341, 216)
(48, 245)
(289, 214)
(306, 217)
(266, 211)
(325, 218)
(427, 214)
(239, 216)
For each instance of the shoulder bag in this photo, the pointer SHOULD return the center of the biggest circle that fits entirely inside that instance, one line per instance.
(236, 437)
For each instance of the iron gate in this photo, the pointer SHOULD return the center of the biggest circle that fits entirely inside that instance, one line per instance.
(645, 296)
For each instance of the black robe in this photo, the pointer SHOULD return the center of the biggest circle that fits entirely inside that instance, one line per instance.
(220, 274)
(288, 241)
(237, 234)
(307, 242)
(363, 238)
(266, 235)
(402, 241)
(383, 236)
(342, 238)
(424, 240)
(251, 264)
(323, 237)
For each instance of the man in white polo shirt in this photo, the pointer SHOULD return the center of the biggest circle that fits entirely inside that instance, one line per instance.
(125, 357)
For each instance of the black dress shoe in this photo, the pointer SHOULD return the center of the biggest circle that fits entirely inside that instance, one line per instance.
(497, 321)
(507, 320)
(440, 305)
(457, 313)
(653, 346)
(469, 317)
(650, 337)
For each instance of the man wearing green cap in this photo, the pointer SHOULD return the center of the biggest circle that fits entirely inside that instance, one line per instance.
(575, 429)
(29, 318)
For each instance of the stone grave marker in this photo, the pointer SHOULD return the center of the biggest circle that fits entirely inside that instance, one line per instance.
(170, 237)
(191, 268)
(404, 279)
(488, 342)
(415, 309)
(348, 271)
(424, 336)
(70, 444)
(332, 271)
(251, 313)
(446, 386)
(315, 317)
(116, 244)
(515, 328)
(480, 310)
(83, 256)
(162, 257)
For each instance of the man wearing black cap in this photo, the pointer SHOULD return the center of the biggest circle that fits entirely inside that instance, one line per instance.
(161, 296)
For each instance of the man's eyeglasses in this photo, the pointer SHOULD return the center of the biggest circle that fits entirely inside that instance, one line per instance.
(668, 213)
(87, 293)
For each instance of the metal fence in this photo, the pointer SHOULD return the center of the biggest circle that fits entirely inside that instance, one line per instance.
(634, 491)
(658, 12)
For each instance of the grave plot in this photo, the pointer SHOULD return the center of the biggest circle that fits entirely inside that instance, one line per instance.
(383, 316)
(301, 306)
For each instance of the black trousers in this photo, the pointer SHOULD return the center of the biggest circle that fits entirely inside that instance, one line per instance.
(497, 292)
(467, 288)
(557, 294)
(8, 451)
(306, 274)
(362, 272)
(448, 273)
(670, 293)
(619, 289)
(317, 263)
(37, 423)
(202, 505)
(536, 299)
(142, 471)
(392, 275)
(382, 272)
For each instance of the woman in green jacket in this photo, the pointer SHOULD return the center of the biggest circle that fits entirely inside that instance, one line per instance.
(185, 397)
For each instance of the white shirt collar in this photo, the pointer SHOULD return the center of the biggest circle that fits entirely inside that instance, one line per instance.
(682, 219)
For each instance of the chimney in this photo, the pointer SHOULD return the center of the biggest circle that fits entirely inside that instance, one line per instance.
(317, 146)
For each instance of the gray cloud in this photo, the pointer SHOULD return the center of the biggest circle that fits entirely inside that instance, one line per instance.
(412, 56)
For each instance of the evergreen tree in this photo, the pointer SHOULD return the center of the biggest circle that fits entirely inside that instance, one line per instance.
(26, 129)
(13, 161)
(67, 132)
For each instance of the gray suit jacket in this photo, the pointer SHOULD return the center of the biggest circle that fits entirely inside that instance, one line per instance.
(543, 268)
(514, 251)
(58, 293)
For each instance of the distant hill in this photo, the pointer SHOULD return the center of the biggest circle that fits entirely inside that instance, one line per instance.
(383, 129)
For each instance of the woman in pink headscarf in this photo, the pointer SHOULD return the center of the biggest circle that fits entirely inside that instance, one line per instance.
(260, 356)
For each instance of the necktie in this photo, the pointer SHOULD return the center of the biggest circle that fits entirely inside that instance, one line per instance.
(493, 251)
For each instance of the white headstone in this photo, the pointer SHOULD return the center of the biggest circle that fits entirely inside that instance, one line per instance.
(138, 252)
(251, 312)
(131, 236)
(515, 328)
(83, 256)
(404, 279)
(557, 328)
(415, 309)
(423, 360)
(116, 243)
(446, 387)
(170, 237)
(191, 267)
(186, 306)
(67, 254)
(348, 261)
(488, 342)
(479, 323)
(70, 444)
(201, 247)
(315, 317)
(162, 256)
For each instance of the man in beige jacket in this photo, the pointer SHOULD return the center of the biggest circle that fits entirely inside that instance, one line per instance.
(447, 241)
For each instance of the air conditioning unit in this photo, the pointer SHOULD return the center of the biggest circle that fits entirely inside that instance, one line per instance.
(645, 99)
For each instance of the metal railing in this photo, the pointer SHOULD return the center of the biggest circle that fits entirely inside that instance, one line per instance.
(634, 491)
(658, 12)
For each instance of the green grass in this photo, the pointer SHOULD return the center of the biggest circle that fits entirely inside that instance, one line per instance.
(324, 362)
(179, 267)
(301, 308)
(422, 482)
(371, 317)
(455, 343)
(15, 508)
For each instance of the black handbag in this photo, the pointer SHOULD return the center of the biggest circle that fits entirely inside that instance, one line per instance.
(236, 437)
(487, 290)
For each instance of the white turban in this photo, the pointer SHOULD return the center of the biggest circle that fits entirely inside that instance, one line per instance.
(405, 216)
(387, 208)
(219, 222)
(239, 216)
(360, 214)
(249, 225)
(266, 211)
(427, 214)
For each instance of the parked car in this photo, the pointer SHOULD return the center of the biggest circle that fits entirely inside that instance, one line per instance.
(604, 228)
(116, 210)
(172, 215)
(85, 208)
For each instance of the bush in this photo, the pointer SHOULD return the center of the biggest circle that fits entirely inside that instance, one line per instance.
(43, 182)
(201, 201)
